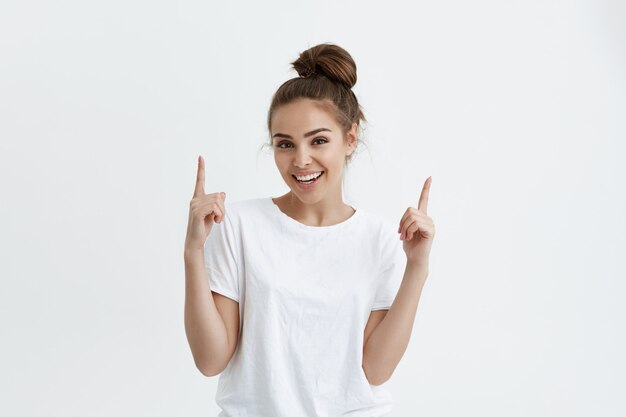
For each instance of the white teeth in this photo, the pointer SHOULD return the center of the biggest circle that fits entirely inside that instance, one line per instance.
(308, 177)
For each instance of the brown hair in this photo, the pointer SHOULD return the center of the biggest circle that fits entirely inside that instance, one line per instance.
(327, 74)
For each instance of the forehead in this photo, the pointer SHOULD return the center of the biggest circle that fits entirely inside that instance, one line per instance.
(302, 116)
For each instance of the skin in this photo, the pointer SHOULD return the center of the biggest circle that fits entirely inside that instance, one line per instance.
(417, 230)
(324, 151)
(388, 339)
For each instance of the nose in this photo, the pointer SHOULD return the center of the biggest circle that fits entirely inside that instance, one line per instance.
(302, 158)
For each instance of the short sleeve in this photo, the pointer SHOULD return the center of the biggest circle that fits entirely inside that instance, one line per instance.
(220, 259)
(393, 263)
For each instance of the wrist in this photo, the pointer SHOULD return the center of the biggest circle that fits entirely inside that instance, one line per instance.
(420, 269)
(193, 252)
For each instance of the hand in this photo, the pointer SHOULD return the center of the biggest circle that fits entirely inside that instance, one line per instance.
(417, 230)
(204, 209)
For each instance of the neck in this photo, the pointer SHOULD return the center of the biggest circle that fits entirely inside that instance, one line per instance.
(324, 212)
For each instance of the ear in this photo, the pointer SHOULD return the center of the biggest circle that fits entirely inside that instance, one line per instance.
(352, 138)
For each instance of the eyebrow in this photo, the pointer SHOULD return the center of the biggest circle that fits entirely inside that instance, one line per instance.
(312, 132)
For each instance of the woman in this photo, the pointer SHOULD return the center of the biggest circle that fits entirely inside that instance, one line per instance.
(326, 292)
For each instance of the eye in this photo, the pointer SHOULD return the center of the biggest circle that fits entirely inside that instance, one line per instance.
(320, 138)
(289, 144)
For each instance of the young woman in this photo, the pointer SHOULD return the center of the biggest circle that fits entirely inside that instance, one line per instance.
(303, 304)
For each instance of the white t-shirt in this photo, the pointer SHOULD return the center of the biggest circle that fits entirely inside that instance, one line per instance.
(305, 294)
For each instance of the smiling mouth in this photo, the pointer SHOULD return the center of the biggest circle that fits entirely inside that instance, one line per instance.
(309, 181)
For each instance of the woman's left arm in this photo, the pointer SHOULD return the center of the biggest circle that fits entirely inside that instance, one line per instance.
(387, 343)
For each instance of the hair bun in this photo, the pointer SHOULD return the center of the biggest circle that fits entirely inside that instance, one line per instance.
(329, 60)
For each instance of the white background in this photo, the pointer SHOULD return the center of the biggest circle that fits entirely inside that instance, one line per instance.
(516, 108)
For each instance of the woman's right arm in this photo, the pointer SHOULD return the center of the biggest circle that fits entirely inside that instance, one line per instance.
(211, 322)
(211, 319)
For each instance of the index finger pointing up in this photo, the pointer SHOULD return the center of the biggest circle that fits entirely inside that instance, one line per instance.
(199, 191)
(422, 205)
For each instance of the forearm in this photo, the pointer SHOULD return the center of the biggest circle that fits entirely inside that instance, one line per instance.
(389, 340)
(205, 329)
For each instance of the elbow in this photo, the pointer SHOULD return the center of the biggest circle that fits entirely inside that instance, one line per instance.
(213, 366)
(377, 380)
(205, 372)
(208, 370)
(375, 377)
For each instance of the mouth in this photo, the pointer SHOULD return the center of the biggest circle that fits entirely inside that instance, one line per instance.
(309, 182)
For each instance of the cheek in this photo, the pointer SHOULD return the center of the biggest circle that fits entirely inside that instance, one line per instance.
(331, 157)
(336, 161)
(282, 165)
